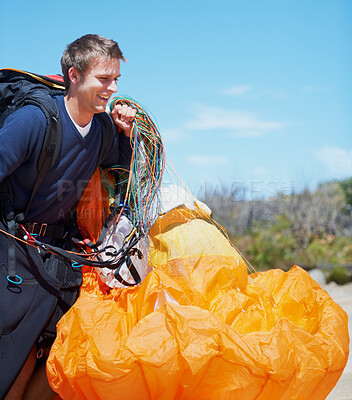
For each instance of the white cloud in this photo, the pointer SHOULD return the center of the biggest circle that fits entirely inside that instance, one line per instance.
(239, 123)
(337, 161)
(203, 160)
(237, 90)
(173, 135)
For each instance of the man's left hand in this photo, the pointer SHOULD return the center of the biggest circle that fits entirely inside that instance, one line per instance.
(123, 116)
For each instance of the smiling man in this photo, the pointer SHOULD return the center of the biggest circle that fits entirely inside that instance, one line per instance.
(91, 68)
(91, 80)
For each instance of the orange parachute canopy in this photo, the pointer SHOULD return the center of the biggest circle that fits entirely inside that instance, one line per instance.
(199, 327)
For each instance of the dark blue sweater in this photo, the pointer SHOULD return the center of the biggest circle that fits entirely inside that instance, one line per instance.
(21, 141)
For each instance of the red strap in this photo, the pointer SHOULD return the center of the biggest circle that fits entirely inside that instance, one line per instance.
(56, 78)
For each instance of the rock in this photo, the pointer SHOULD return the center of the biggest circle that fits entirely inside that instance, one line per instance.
(318, 276)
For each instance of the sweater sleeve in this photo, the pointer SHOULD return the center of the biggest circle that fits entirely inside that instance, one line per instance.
(120, 153)
(19, 137)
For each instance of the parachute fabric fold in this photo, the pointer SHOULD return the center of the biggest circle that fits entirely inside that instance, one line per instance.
(93, 207)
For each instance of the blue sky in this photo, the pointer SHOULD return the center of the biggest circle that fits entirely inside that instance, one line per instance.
(255, 93)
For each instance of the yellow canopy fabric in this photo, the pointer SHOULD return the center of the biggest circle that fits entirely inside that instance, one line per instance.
(198, 327)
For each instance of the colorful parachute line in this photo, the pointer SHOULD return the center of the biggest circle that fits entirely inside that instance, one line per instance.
(147, 167)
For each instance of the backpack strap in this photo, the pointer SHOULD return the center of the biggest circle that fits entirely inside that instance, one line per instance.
(52, 142)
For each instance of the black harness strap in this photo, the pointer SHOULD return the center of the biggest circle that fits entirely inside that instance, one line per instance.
(118, 258)
(50, 150)
(133, 271)
(11, 252)
(113, 212)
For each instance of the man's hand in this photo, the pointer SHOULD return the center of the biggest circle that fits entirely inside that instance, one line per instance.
(123, 116)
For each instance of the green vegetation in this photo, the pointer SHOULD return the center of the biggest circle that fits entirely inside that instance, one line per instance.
(309, 229)
(338, 275)
(347, 188)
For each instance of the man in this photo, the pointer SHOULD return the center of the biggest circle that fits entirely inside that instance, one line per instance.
(91, 68)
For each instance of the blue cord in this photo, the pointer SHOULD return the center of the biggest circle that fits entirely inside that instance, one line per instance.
(76, 265)
(15, 282)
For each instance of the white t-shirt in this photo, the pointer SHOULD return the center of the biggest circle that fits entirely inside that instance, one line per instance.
(82, 130)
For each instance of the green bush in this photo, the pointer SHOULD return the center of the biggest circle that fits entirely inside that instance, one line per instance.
(317, 252)
(339, 275)
(272, 245)
(347, 188)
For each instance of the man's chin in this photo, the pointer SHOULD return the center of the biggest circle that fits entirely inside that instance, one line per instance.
(100, 108)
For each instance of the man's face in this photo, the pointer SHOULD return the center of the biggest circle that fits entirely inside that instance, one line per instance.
(95, 87)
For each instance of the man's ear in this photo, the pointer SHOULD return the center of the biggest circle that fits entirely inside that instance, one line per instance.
(74, 75)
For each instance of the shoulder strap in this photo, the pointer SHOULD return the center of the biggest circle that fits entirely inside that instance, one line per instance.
(50, 149)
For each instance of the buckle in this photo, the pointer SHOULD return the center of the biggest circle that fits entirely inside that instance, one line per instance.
(42, 228)
(31, 227)
(37, 229)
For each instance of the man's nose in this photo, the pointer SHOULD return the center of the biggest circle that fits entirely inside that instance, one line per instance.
(113, 86)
